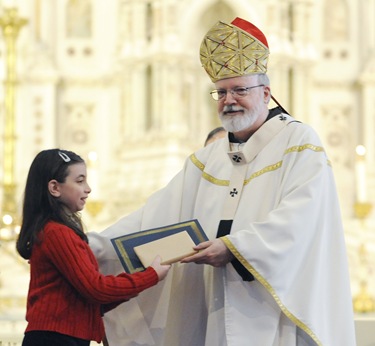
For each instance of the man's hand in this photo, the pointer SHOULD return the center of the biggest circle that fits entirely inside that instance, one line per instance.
(213, 252)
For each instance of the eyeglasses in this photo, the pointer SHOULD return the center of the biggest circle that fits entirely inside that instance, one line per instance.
(236, 92)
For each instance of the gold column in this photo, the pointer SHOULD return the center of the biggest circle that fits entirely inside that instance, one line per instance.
(11, 25)
(363, 301)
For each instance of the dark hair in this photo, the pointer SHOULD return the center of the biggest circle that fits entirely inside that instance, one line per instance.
(213, 133)
(39, 206)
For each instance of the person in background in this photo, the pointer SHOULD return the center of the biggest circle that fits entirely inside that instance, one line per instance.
(274, 271)
(67, 294)
(216, 133)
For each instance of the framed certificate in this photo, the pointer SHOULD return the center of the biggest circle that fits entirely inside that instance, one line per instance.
(171, 242)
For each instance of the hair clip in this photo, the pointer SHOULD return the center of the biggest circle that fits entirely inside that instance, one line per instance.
(65, 157)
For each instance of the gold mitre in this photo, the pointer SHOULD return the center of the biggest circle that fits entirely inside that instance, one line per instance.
(232, 50)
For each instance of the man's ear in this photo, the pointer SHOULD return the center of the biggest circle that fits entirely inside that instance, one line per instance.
(267, 94)
(54, 188)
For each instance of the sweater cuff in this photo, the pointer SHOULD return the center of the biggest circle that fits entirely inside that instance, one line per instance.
(149, 275)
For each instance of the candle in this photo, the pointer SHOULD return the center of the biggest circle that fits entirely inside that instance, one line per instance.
(92, 175)
(360, 174)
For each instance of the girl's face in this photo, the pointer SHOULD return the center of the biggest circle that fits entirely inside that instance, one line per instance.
(74, 191)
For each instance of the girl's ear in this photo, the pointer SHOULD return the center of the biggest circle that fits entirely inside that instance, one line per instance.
(54, 188)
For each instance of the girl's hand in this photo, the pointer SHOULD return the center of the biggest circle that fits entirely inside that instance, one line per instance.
(161, 269)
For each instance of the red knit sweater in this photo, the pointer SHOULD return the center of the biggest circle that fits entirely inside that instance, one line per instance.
(66, 290)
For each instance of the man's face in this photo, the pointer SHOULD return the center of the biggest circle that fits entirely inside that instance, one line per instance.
(243, 113)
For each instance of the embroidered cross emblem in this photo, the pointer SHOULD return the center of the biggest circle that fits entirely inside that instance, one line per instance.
(237, 158)
(233, 192)
(282, 117)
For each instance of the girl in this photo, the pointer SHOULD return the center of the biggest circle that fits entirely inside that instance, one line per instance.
(67, 295)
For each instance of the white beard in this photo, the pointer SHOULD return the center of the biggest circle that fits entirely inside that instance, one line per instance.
(240, 122)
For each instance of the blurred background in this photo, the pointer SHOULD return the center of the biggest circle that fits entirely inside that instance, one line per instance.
(120, 83)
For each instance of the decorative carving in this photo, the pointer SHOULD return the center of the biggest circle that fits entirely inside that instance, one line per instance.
(336, 21)
(337, 133)
(78, 19)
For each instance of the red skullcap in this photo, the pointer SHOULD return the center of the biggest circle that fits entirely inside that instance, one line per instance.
(251, 29)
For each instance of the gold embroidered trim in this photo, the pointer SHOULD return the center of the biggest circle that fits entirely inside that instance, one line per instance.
(300, 148)
(270, 289)
(273, 167)
(215, 181)
(207, 176)
(264, 170)
(222, 182)
(196, 162)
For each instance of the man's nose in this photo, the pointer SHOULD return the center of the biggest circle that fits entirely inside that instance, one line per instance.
(229, 97)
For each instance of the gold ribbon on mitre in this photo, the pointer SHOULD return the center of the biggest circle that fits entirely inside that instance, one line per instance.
(233, 50)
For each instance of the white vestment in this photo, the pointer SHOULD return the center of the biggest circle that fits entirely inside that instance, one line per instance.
(280, 193)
